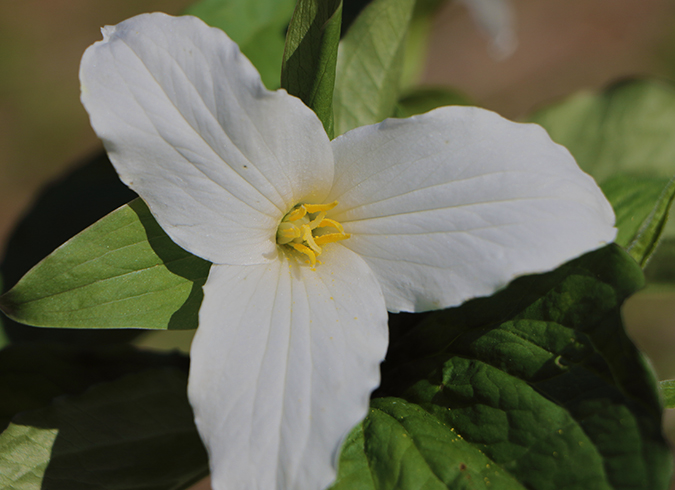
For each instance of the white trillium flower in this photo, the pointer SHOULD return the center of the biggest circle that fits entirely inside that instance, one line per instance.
(431, 211)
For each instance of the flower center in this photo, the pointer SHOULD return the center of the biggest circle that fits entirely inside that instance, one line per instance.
(304, 228)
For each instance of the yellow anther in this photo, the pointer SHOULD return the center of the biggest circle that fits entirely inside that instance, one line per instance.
(297, 229)
(307, 251)
(309, 239)
(330, 238)
(315, 208)
(316, 222)
(296, 214)
(332, 223)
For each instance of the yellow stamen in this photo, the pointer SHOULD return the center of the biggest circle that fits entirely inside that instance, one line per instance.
(316, 222)
(309, 239)
(315, 208)
(332, 223)
(297, 230)
(330, 238)
(307, 251)
(296, 214)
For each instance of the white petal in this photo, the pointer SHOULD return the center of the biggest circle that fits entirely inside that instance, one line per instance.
(455, 203)
(189, 126)
(497, 18)
(282, 367)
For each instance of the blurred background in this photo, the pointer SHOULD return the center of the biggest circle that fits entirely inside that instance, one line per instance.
(563, 46)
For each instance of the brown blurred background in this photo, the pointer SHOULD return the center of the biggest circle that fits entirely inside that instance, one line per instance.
(564, 46)
(43, 127)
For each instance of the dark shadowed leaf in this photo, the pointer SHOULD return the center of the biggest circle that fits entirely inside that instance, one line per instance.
(32, 375)
(536, 387)
(134, 432)
(308, 70)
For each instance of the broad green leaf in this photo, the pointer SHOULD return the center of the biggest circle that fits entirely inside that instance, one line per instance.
(353, 470)
(647, 238)
(424, 100)
(308, 69)
(121, 272)
(634, 199)
(537, 387)
(370, 62)
(62, 210)
(134, 432)
(257, 26)
(668, 390)
(32, 375)
(627, 129)
(402, 446)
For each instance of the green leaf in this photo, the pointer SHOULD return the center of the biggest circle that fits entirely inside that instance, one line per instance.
(370, 63)
(135, 432)
(402, 446)
(353, 470)
(635, 200)
(61, 210)
(257, 26)
(426, 99)
(310, 55)
(647, 238)
(32, 375)
(668, 390)
(537, 386)
(121, 272)
(627, 129)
